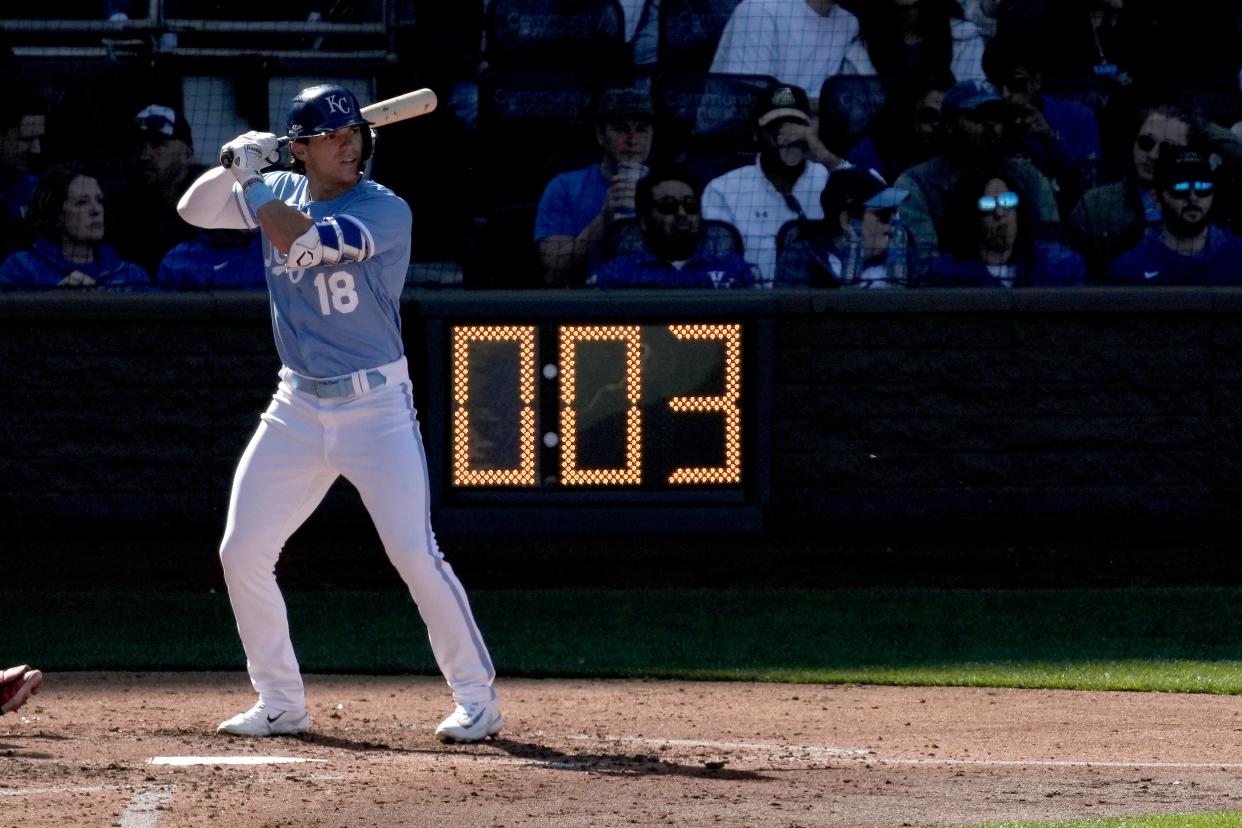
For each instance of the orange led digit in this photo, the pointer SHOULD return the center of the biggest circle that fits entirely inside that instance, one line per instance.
(463, 338)
(728, 404)
(632, 474)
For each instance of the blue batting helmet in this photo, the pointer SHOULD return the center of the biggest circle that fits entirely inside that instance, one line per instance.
(317, 110)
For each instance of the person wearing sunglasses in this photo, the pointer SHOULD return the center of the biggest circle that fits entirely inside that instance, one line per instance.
(990, 239)
(1111, 218)
(850, 247)
(669, 208)
(1188, 249)
(906, 130)
(976, 122)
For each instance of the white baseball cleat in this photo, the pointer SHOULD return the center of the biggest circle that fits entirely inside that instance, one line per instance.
(262, 720)
(471, 722)
(17, 684)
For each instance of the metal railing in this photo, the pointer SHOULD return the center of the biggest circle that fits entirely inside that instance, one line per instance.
(177, 37)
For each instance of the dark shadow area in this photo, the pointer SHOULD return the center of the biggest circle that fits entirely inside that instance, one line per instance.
(326, 554)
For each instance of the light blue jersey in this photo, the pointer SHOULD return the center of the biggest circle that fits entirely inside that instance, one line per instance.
(331, 320)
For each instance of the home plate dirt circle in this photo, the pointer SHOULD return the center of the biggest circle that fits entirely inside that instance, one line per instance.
(140, 751)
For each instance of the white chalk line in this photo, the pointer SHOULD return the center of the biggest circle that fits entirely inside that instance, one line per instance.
(61, 790)
(229, 760)
(143, 810)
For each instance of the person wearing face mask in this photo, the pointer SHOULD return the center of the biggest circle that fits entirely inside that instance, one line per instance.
(989, 239)
(784, 182)
(1188, 248)
(668, 204)
(66, 221)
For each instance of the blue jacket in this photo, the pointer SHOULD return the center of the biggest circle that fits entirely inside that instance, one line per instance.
(1151, 263)
(647, 270)
(1050, 265)
(43, 267)
(214, 262)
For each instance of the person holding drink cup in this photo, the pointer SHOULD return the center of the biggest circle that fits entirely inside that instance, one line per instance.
(577, 206)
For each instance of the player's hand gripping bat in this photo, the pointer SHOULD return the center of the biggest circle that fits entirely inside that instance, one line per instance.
(381, 113)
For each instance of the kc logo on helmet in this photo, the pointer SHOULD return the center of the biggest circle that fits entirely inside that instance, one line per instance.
(338, 103)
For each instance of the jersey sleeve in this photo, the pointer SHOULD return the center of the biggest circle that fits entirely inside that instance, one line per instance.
(384, 217)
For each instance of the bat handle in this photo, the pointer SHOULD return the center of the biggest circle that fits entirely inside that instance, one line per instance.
(226, 156)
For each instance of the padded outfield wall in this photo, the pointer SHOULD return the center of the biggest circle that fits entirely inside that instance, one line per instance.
(129, 411)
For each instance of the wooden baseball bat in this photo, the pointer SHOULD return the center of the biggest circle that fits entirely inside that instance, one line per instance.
(410, 105)
(381, 113)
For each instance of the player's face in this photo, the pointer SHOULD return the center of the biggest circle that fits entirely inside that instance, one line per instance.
(82, 216)
(332, 160)
(22, 144)
(627, 140)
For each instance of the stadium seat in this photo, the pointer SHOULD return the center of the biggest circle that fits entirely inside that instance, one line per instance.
(690, 31)
(790, 232)
(563, 35)
(708, 116)
(847, 105)
(624, 237)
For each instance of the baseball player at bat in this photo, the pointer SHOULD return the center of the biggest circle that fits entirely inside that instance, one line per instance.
(337, 247)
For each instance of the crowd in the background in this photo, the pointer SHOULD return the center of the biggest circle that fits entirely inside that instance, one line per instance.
(889, 143)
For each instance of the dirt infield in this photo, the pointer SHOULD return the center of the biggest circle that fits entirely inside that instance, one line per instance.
(138, 751)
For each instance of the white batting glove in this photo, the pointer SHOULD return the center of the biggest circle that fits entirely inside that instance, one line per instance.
(248, 153)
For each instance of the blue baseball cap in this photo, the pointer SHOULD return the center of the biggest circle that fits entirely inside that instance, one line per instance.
(853, 186)
(967, 96)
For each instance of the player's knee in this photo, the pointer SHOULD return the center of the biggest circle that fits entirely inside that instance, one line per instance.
(238, 554)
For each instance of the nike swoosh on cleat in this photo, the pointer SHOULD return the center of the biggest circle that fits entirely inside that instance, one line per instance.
(271, 719)
(1150, 274)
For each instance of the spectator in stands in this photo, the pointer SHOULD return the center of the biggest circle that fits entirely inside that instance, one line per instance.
(1188, 248)
(670, 216)
(1107, 49)
(903, 38)
(907, 130)
(798, 42)
(67, 222)
(1057, 136)
(146, 224)
(642, 30)
(849, 247)
(215, 260)
(1112, 218)
(17, 685)
(23, 123)
(578, 206)
(975, 120)
(989, 239)
(983, 14)
(784, 183)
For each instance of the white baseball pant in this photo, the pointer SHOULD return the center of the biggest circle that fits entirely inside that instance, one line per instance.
(302, 444)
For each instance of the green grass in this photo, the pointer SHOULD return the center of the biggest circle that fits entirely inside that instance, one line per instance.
(1174, 639)
(1230, 819)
